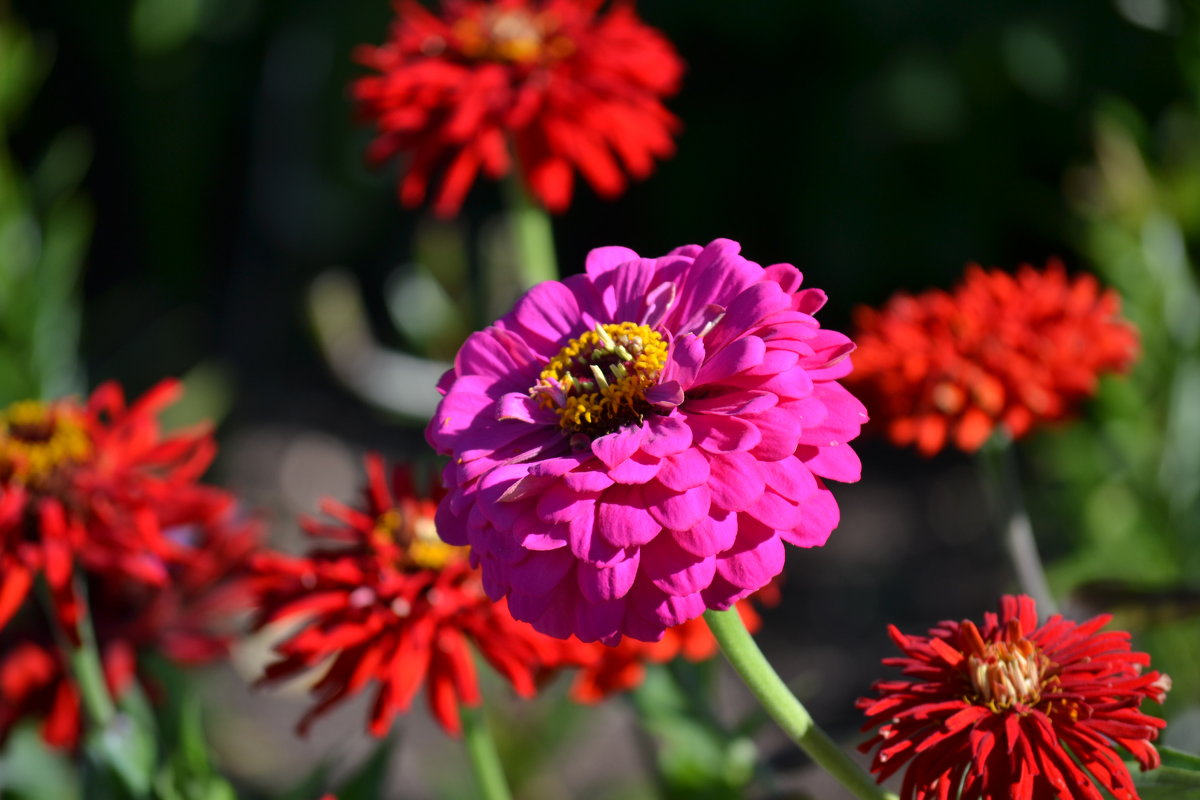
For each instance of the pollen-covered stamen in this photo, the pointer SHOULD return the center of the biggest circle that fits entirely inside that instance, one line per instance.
(37, 440)
(599, 380)
(416, 537)
(1006, 673)
(513, 35)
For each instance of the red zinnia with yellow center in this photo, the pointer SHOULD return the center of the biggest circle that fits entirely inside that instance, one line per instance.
(96, 486)
(394, 605)
(546, 87)
(1014, 709)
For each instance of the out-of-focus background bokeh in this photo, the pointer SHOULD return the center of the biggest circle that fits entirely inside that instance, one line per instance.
(190, 173)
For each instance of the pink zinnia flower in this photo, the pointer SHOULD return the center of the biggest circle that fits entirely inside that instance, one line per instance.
(633, 445)
(1015, 709)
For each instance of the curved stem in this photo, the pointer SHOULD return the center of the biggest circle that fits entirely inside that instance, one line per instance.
(485, 759)
(533, 235)
(1003, 482)
(762, 679)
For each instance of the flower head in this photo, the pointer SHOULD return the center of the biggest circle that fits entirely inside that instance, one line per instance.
(1014, 709)
(1001, 349)
(390, 602)
(561, 83)
(189, 620)
(97, 486)
(634, 445)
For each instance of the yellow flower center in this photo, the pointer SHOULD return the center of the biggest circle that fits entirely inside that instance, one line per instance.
(417, 537)
(599, 380)
(1007, 674)
(37, 440)
(511, 35)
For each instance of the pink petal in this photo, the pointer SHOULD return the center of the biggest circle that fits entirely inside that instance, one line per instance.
(666, 436)
(597, 621)
(540, 572)
(603, 259)
(734, 481)
(522, 407)
(820, 516)
(684, 470)
(602, 583)
(638, 469)
(549, 315)
(839, 463)
(676, 510)
(755, 566)
(738, 357)
(673, 569)
(613, 448)
(776, 512)
(714, 534)
(720, 434)
(623, 518)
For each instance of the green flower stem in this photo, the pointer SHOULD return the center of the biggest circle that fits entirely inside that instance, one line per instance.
(762, 679)
(89, 674)
(485, 759)
(83, 660)
(1002, 482)
(533, 235)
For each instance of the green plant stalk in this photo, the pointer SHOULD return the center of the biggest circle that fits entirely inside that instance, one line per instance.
(533, 235)
(766, 685)
(485, 759)
(83, 660)
(1002, 481)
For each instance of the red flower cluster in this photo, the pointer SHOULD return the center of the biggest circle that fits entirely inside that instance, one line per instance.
(1001, 349)
(189, 620)
(99, 487)
(557, 84)
(1014, 709)
(392, 603)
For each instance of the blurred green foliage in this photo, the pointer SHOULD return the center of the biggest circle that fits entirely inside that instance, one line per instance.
(45, 225)
(1130, 474)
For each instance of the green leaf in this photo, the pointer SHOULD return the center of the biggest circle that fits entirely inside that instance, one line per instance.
(128, 747)
(1177, 779)
(29, 770)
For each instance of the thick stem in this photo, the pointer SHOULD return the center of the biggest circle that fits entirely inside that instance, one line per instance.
(485, 759)
(1003, 482)
(762, 679)
(533, 235)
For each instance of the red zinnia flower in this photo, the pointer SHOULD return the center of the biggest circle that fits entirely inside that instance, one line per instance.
(394, 604)
(1000, 349)
(562, 84)
(188, 620)
(96, 486)
(1015, 710)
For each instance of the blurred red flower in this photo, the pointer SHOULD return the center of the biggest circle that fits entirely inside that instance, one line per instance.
(190, 619)
(1014, 709)
(96, 486)
(605, 670)
(387, 601)
(556, 85)
(1000, 349)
